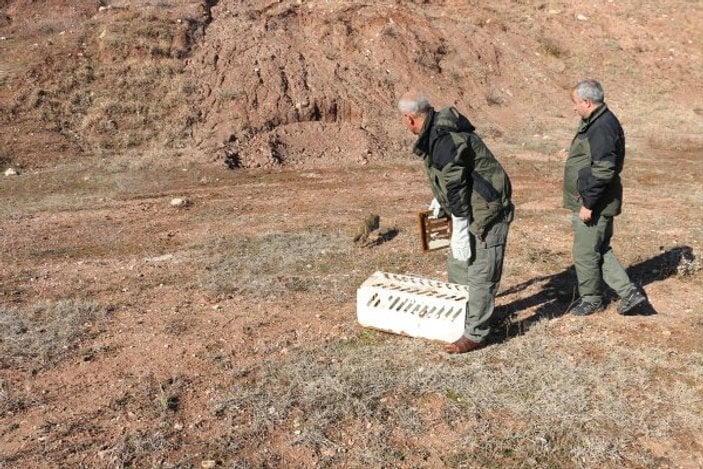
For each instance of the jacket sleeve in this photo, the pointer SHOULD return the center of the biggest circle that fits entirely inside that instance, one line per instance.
(603, 141)
(456, 170)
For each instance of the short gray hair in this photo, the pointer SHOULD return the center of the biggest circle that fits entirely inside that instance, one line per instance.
(415, 103)
(590, 89)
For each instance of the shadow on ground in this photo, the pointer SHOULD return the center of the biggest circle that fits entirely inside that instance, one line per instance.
(559, 292)
(384, 236)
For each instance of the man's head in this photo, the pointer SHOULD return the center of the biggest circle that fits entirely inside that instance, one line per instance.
(587, 96)
(414, 107)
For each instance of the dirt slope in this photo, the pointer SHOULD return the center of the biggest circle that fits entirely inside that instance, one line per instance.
(313, 80)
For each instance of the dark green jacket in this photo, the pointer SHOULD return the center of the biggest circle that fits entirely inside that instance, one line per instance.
(593, 167)
(465, 177)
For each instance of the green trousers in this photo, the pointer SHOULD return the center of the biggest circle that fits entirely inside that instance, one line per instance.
(595, 261)
(482, 275)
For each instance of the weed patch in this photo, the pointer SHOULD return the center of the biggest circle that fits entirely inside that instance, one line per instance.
(41, 335)
(552, 47)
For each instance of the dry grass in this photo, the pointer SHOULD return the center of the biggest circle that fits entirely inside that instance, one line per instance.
(275, 263)
(312, 261)
(40, 335)
(545, 147)
(687, 143)
(552, 47)
(135, 447)
(103, 99)
(559, 395)
(589, 406)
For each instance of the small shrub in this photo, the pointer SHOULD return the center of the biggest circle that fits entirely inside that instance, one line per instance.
(494, 97)
(552, 48)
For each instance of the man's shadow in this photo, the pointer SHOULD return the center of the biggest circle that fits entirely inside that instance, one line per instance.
(559, 292)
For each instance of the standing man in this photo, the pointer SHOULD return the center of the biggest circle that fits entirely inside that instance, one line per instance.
(469, 184)
(593, 192)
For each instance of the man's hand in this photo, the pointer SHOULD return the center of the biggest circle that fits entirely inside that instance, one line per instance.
(461, 240)
(436, 209)
(585, 214)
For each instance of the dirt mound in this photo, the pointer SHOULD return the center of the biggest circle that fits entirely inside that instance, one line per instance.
(311, 82)
(264, 83)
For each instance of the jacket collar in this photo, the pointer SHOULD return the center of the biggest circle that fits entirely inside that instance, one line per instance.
(586, 123)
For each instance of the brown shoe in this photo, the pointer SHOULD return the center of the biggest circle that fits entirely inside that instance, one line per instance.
(462, 345)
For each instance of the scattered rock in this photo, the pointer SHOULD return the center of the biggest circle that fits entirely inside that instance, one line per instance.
(11, 172)
(180, 202)
(161, 258)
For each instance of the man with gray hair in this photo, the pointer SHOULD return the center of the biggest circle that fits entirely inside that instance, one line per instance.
(593, 192)
(470, 185)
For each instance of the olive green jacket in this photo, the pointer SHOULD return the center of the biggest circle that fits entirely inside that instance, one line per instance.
(593, 167)
(465, 177)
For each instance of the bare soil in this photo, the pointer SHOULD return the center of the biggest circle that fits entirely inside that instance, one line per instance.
(223, 333)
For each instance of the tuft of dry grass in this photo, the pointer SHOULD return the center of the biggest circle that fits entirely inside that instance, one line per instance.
(42, 334)
(141, 445)
(13, 400)
(552, 47)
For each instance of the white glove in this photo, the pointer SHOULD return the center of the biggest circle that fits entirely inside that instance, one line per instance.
(436, 209)
(461, 242)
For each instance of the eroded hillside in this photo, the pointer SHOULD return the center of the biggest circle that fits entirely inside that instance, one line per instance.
(266, 83)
